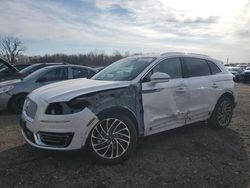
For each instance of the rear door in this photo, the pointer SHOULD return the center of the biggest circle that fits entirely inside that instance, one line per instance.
(165, 103)
(200, 88)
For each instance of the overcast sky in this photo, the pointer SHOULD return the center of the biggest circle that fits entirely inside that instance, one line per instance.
(220, 28)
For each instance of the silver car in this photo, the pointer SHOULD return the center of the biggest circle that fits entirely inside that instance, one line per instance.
(14, 92)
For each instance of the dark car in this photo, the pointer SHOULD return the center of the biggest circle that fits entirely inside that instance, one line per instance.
(21, 66)
(7, 71)
(244, 76)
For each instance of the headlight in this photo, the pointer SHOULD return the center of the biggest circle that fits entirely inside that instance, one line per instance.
(6, 89)
(62, 108)
(78, 103)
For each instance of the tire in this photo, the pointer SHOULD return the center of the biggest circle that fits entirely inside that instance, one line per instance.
(16, 103)
(113, 139)
(222, 114)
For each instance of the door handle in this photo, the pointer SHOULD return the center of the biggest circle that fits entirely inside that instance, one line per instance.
(214, 85)
(181, 90)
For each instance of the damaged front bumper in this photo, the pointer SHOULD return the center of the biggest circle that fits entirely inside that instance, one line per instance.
(57, 132)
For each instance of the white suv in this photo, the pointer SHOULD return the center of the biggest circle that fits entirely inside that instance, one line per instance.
(134, 97)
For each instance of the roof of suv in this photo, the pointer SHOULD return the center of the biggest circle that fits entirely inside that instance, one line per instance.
(166, 54)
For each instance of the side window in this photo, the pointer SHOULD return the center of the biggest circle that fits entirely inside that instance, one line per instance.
(171, 66)
(196, 67)
(214, 68)
(56, 75)
(79, 73)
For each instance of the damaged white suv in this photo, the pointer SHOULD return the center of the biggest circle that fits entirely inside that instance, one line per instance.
(136, 96)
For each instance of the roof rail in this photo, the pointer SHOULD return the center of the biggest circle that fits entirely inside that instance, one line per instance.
(173, 53)
(183, 53)
(199, 54)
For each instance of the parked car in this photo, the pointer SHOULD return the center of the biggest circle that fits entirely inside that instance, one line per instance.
(133, 97)
(244, 76)
(235, 70)
(14, 92)
(21, 66)
(247, 68)
(7, 71)
(36, 66)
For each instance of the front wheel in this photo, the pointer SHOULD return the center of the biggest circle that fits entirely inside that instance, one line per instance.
(113, 139)
(222, 113)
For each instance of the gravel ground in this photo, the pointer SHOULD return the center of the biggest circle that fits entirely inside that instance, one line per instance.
(191, 156)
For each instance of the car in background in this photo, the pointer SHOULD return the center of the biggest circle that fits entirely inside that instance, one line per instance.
(244, 76)
(30, 69)
(247, 68)
(21, 66)
(133, 97)
(14, 92)
(7, 71)
(235, 70)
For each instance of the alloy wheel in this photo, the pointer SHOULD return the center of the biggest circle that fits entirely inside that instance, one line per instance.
(224, 113)
(110, 138)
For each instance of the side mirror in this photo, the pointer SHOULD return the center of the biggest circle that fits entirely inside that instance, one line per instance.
(42, 79)
(158, 77)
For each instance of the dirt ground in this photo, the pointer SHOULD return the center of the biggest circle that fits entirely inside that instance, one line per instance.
(191, 156)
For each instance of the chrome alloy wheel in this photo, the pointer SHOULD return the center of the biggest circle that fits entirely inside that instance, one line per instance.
(224, 113)
(110, 138)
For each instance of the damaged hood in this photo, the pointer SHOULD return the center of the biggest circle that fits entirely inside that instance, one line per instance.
(67, 90)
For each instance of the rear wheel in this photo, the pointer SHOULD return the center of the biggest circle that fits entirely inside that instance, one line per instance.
(16, 103)
(222, 113)
(113, 139)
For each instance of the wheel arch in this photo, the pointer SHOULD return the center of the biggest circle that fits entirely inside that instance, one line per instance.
(121, 110)
(13, 96)
(229, 95)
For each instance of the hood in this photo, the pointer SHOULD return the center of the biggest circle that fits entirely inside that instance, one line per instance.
(67, 90)
(10, 82)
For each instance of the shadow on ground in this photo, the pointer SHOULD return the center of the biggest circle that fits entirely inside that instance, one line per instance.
(192, 156)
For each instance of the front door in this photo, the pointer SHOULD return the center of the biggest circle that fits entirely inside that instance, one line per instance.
(54, 75)
(164, 103)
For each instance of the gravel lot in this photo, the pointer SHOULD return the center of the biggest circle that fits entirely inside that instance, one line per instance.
(191, 156)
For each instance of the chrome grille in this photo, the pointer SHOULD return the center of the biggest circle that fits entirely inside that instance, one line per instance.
(30, 108)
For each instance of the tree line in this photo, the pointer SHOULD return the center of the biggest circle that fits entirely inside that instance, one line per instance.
(90, 59)
(12, 48)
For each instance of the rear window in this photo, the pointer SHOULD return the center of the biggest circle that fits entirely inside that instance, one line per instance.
(196, 67)
(214, 68)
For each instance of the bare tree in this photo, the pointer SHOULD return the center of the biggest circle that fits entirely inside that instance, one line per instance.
(11, 48)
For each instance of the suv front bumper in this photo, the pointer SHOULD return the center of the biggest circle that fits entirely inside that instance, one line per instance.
(57, 132)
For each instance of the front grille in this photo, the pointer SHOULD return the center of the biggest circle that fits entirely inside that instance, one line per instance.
(55, 139)
(30, 108)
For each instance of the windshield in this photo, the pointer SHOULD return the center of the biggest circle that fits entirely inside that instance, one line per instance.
(29, 69)
(124, 70)
(35, 74)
